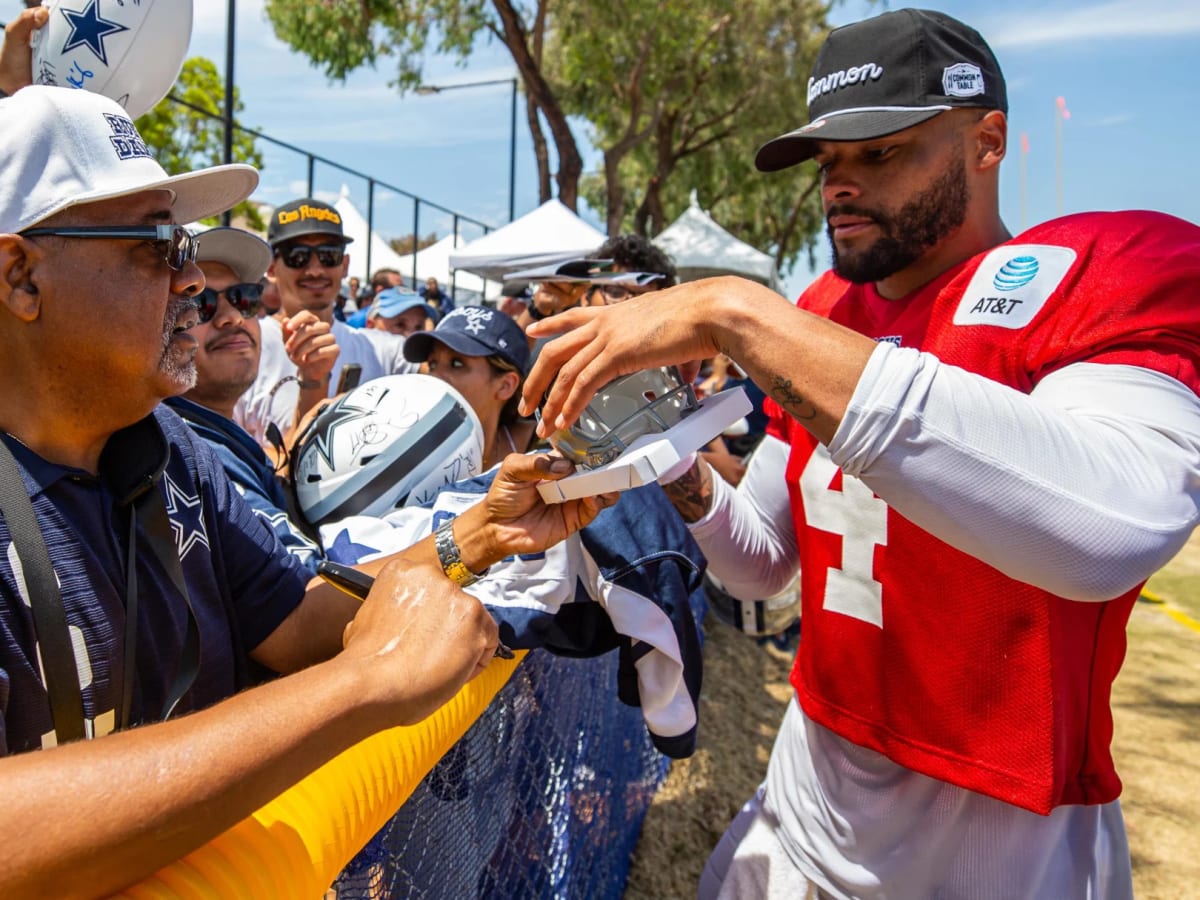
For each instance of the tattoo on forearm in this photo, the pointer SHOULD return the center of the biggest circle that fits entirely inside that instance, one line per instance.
(692, 492)
(791, 400)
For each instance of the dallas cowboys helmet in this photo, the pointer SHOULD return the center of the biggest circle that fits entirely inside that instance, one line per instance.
(627, 408)
(129, 52)
(757, 618)
(392, 442)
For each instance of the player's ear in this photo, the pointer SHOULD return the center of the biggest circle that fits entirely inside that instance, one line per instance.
(991, 139)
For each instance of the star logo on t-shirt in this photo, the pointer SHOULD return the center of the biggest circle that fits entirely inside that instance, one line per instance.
(186, 513)
(345, 550)
(89, 29)
(302, 548)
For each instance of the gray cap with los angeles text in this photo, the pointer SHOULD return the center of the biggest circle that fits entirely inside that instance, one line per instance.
(888, 73)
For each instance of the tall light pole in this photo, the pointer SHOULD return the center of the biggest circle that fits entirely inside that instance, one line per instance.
(230, 20)
(428, 89)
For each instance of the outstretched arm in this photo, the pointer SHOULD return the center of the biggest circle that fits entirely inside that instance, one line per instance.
(808, 364)
(511, 519)
(90, 817)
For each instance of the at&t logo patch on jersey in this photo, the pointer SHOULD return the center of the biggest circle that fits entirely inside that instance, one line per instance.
(1012, 284)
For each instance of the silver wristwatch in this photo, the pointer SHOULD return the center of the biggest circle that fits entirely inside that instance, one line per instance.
(450, 557)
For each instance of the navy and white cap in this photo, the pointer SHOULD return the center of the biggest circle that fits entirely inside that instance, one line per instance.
(888, 73)
(61, 147)
(473, 331)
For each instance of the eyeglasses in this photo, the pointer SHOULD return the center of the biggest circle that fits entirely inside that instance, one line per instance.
(296, 256)
(178, 244)
(245, 298)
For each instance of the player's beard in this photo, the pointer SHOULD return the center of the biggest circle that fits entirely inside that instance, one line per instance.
(924, 221)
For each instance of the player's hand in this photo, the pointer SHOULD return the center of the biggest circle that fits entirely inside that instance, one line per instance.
(16, 56)
(513, 517)
(420, 637)
(310, 345)
(600, 343)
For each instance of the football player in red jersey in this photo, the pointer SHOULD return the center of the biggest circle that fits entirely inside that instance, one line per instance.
(988, 444)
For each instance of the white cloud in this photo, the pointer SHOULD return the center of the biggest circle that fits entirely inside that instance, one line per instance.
(1116, 20)
(1111, 120)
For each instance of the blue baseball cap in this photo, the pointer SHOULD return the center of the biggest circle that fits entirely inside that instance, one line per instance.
(474, 331)
(392, 302)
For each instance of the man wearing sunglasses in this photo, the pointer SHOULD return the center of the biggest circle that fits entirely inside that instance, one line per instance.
(135, 583)
(227, 351)
(304, 347)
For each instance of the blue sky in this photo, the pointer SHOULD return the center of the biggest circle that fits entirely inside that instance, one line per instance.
(1127, 69)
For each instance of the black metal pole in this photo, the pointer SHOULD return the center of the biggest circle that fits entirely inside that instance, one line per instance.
(416, 240)
(512, 156)
(454, 272)
(231, 17)
(370, 220)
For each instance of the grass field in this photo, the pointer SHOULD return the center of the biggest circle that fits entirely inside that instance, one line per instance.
(1156, 702)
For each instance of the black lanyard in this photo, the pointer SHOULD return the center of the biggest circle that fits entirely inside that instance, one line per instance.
(57, 655)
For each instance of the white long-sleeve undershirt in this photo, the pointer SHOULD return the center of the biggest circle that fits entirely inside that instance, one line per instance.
(1084, 487)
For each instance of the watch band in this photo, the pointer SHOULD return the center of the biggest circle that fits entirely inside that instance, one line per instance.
(450, 557)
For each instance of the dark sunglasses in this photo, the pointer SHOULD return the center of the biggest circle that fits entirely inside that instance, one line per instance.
(178, 245)
(297, 255)
(245, 298)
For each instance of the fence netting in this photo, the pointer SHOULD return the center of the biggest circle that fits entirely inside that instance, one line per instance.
(543, 797)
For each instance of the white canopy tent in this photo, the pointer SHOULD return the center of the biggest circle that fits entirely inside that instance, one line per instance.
(551, 233)
(701, 248)
(434, 261)
(431, 261)
(354, 224)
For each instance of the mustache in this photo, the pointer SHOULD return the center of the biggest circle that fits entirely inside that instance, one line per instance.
(176, 307)
(849, 209)
(221, 338)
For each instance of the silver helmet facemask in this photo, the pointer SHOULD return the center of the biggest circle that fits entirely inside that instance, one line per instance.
(627, 408)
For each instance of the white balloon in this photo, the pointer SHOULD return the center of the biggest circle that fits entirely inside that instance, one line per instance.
(128, 50)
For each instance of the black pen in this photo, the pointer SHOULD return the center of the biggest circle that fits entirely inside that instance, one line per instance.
(358, 584)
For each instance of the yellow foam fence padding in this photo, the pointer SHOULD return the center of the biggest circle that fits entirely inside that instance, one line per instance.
(295, 845)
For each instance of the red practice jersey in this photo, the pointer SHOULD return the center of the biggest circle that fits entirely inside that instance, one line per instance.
(919, 651)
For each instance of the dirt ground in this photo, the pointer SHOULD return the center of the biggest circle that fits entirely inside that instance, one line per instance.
(1156, 703)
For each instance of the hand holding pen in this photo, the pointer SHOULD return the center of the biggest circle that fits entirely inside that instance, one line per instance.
(358, 584)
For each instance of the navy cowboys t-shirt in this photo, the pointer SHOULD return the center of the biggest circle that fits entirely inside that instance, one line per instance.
(241, 581)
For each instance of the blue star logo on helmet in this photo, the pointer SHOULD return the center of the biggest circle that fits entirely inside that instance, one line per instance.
(89, 28)
(1016, 273)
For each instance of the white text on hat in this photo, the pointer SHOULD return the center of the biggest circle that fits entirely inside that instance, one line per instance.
(854, 75)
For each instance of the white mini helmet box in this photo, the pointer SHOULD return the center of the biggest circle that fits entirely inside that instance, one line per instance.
(393, 442)
(128, 50)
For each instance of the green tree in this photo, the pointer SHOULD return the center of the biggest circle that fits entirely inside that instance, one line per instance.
(676, 94)
(679, 96)
(184, 139)
(342, 35)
